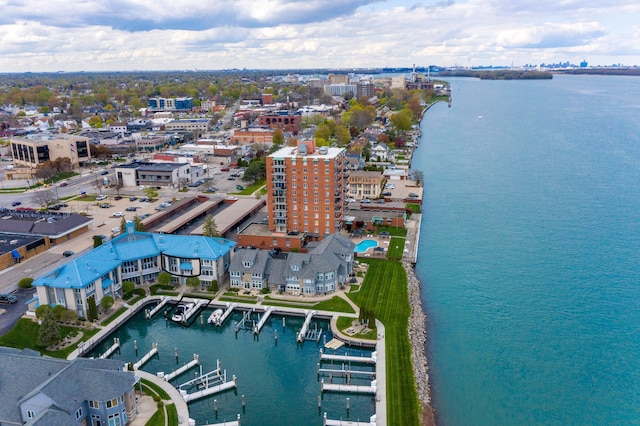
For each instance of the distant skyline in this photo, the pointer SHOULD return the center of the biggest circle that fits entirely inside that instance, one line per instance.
(125, 35)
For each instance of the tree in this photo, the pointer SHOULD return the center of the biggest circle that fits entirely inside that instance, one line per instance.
(214, 286)
(123, 225)
(57, 311)
(44, 197)
(97, 241)
(68, 316)
(42, 310)
(209, 228)
(92, 311)
(107, 303)
(164, 278)
(343, 137)
(25, 282)
(137, 224)
(49, 331)
(256, 171)
(95, 121)
(418, 176)
(278, 137)
(128, 286)
(150, 192)
(193, 282)
(401, 121)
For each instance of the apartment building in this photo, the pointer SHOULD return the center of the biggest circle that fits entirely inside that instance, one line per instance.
(33, 150)
(306, 189)
(362, 185)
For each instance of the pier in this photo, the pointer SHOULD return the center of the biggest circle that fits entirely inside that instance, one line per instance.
(148, 314)
(330, 387)
(231, 423)
(195, 361)
(263, 320)
(112, 348)
(246, 317)
(347, 358)
(225, 315)
(305, 326)
(329, 422)
(208, 384)
(199, 304)
(146, 357)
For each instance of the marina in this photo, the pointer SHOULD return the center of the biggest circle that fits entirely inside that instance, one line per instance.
(216, 398)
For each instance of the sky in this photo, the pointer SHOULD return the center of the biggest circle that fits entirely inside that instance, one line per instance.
(126, 35)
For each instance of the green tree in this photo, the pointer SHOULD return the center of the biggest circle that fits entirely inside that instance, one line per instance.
(193, 282)
(164, 278)
(25, 282)
(214, 286)
(57, 311)
(137, 224)
(209, 228)
(150, 192)
(402, 120)
(127, 287)
(278, 137)
(68, 316)
(106, 303)
(123, 225)
(97, 241)
(49, 331)
(256, 171)
(92, 311)
(42, 310)
(343, 137)
(95, 121)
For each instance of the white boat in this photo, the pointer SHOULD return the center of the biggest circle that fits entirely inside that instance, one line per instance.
(215, 316)
(182, 311)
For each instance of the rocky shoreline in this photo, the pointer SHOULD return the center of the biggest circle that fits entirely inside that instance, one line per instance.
(417, 331)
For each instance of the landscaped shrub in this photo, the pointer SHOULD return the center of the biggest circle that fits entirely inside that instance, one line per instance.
(25, 282)
(57, 311)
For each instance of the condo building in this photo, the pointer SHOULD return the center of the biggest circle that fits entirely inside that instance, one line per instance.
(306, 187)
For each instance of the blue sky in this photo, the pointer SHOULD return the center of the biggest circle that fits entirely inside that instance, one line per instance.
(109, 35)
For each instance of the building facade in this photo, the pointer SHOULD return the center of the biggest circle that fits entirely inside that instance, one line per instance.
(33, 150)
(288, 121)
(321, 270)
(134, 256)
(153, 174)
(196, 125)
(170, 104)
(362, 184)
(306, 189)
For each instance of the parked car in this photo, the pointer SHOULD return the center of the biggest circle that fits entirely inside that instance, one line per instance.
(101, 197)
(64, 184)
(16, 203)
(8, 298)
(131, 209)
(224, 169)
(387, 194)
(133, 198)
(366, 201)
(145, 215)
(68, 253)
(118, 214)
(104, 205)
(117, 197)
(105, 172)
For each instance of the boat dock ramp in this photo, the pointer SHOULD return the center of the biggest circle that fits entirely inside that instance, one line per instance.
(329, 422)
(112, 348)
(207, 384)
(335, 387)
(149, 313)
(195, 361)
(302, 335)
(347, 358)
(263, 320)
(146, 357)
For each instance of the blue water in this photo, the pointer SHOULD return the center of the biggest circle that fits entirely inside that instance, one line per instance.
(530, 251)
(365, 245)
(279, 379)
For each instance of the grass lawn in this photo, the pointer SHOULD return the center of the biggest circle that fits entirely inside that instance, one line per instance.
(115, 315)
(384, 291)
(335, 304)
(393, 231)
(25, 335)
(396, 249)
(414, 207)
(91, 197)
(248, 190)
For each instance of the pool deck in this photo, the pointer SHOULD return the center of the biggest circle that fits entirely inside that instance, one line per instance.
(145, 411)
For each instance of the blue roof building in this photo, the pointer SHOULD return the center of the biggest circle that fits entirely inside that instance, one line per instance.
(133, 256)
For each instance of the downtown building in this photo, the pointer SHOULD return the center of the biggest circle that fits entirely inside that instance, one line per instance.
(306, 190)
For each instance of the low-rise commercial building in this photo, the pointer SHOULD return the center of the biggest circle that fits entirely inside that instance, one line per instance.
(153, 174)
(33, 150)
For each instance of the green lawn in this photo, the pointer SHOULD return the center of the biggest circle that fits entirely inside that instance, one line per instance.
(248, 190)
(335, 304)
(414, 207)
(114, 316)
(396, 248)
(25, 335)
(393, 231)
(384, 291)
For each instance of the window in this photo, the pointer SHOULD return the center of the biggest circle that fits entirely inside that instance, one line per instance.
(246, 264)
(79, 413)
(31, 414)
(94, 404)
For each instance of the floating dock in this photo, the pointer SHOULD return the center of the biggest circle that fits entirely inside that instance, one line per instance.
(112, 348)
(329, 422)
(330, 387)
(347, 358)
(334, 344)
(148, 314)
(303, 332)
(232, 423)
(208, 384)
(146, 357)
(227, 312)
(263, 320)
(195, 361)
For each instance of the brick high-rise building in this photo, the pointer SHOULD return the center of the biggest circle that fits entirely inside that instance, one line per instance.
(306, 188)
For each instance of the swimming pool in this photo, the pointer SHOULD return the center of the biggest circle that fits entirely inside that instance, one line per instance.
(365, 245)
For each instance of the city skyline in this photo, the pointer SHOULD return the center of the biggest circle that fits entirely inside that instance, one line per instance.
(130, 35)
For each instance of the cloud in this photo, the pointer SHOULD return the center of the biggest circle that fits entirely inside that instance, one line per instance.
(551, 36)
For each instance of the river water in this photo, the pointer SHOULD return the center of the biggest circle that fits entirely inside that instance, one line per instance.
(529, 251)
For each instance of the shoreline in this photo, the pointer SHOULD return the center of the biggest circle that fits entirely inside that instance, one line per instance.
(417, 331)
